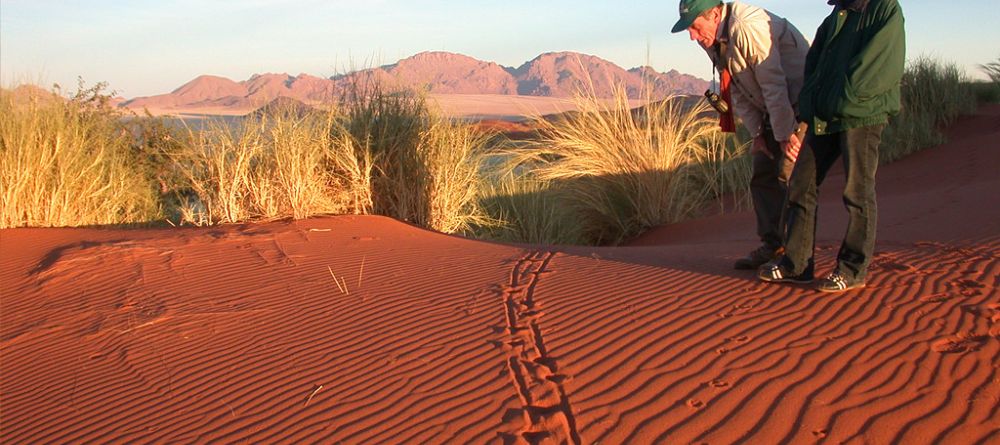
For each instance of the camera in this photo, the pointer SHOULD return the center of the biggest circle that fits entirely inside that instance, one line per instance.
(716, 102)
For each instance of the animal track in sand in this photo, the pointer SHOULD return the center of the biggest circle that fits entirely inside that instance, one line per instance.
(695, 403)
(887, 262)
(995, 308)
(740, 339)
(749, 304)
(547, 415)
(820, 434)
(960, 343)
(740, 308)
(718, 383)
(936, 298)
(970, 288)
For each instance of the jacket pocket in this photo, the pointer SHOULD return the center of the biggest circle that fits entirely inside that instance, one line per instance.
(856, 108)
(831, 97)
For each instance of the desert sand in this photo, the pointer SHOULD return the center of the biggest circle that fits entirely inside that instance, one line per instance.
(367, 330)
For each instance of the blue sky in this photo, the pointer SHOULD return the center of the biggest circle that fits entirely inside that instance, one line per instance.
(150, 47)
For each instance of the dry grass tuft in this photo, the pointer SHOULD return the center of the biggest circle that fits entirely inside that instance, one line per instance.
(67, 162)
(934, 94)
(621, 171)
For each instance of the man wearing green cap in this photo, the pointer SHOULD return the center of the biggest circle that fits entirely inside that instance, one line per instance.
(761, 58)
(853, 75)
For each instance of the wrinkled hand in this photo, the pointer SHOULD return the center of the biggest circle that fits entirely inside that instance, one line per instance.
(791, 147)
(760, 146)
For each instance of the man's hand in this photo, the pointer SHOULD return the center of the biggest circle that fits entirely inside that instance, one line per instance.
(791, 147)
(760, 146)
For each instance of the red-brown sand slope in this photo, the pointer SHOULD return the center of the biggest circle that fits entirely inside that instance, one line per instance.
(366, 330)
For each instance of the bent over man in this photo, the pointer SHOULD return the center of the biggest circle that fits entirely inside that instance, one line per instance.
(853, 75)
(764, 56)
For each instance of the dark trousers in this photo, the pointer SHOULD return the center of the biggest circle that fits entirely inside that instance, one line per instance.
(768, 193)
(859, 148)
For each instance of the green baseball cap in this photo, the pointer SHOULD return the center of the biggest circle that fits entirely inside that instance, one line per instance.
(690, 10)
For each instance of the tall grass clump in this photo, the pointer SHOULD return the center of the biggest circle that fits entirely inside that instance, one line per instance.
(377, 152)
(989, 92)
(453, 155)
(992, 69)
(934, 94)
(425, 167)
(68, 162)
(270, 165)
(523, 208)
(621, 171)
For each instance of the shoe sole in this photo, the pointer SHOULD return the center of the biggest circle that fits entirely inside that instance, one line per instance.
(838, 291)
(787, 280)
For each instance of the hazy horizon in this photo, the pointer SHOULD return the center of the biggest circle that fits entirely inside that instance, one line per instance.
(144, 50)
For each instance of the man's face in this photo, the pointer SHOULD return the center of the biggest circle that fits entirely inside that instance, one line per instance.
(704, 27)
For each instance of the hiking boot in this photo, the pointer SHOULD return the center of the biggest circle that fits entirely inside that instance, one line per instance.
(776, 272)
(757, 258)
(837, 282)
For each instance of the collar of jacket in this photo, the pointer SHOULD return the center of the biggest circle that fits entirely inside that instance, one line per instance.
(853, 5)
(722, 33)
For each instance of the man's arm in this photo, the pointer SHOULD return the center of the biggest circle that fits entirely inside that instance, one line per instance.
(806, 111)
(818, 45)
(759, 42)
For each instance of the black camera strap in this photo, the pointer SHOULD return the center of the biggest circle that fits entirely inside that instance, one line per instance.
(722, 46)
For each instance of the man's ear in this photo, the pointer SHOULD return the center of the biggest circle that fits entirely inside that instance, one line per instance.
(715, 14)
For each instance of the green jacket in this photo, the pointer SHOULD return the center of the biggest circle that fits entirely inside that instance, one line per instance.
(854, 67)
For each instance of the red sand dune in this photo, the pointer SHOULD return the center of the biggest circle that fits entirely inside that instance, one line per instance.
(367, 330)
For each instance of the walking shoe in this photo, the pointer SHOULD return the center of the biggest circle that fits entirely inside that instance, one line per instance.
(775, 272)
(757, 257)
(838, 282)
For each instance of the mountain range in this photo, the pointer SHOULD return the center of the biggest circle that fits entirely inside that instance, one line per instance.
(556, 74)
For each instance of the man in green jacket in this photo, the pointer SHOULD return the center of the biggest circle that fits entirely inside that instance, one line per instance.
(853, 73)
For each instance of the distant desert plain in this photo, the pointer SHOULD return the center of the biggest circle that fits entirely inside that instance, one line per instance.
(460, 86)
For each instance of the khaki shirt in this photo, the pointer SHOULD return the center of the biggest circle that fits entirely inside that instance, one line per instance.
(766, 57)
